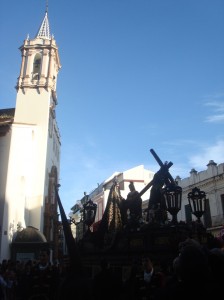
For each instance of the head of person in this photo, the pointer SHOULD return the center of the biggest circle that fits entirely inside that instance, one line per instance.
(147, 264)
(192, 264)
(44, 257)
(131, 186)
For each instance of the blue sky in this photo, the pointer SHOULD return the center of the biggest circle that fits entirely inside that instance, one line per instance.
(136, 75)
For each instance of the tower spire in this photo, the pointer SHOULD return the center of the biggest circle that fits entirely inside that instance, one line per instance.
(44, 30)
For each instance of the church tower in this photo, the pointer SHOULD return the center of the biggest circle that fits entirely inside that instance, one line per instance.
(34, 147)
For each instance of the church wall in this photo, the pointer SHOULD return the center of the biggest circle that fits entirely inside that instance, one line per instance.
(4, 154)
(33, 107)
(22, 193)
(35, 140)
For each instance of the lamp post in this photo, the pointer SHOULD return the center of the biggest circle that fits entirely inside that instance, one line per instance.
(197, 201)
(173, 197)
(76, 218)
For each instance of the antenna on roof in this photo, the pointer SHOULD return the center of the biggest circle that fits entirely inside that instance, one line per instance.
(46, 6)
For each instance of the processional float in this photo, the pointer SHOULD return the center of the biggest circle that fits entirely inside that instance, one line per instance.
(157, 235)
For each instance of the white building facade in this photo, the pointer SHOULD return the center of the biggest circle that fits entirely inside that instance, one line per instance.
(30, 141)
(211, 181)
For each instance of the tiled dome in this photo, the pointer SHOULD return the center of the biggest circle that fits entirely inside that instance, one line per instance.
(29, 235)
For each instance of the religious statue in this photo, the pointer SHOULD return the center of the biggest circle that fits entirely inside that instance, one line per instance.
(133, 205)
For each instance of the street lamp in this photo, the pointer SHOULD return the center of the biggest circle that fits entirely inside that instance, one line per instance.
(76, 216)
(173, 197)
(197, 201)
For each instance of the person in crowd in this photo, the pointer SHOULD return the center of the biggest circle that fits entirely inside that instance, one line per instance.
(23, 286)
(43, 278)
(152, 280)
(193, 276)
(131, 286)
(106, 285)
(3, 286)
(216, 260)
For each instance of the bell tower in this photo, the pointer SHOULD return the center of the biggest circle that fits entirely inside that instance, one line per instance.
(35, 139)
(38, 74)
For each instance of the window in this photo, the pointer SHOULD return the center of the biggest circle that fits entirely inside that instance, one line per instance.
(188, 213)
(207, 215)
(37, 67)
(222, 201)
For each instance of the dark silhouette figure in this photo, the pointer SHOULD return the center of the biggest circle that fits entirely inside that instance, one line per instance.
(151, 281)
(216, 260)
(74, 285)
(106, 285)
(43, 279)
(133, 203)
(156, 211)
(193, 277)
(132, 284)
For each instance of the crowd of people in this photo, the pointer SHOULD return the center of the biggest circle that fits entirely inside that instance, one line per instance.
(197, 272)
(29, 279)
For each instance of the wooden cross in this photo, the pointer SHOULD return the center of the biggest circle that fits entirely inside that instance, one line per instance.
(163, 174)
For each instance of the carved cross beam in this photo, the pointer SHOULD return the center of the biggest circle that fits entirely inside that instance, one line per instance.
(163, 173)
